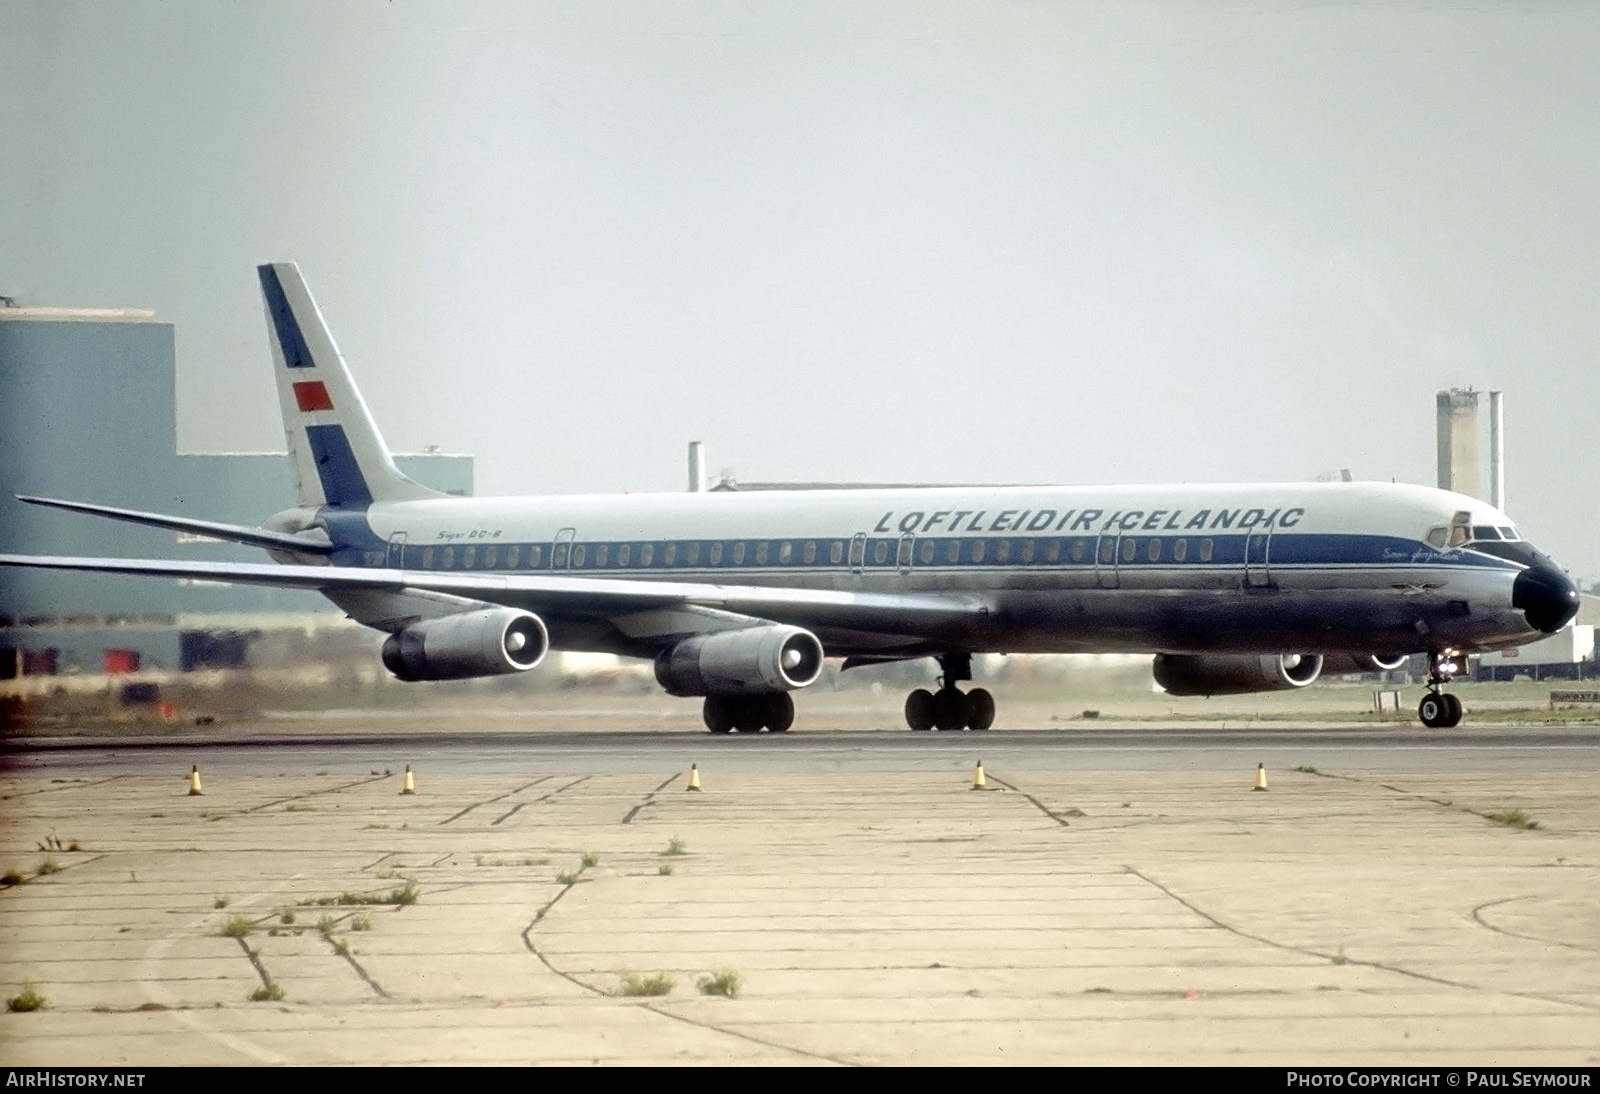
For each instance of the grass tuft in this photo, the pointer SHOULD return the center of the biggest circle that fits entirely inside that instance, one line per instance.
(665, 869)
(221, 901)
(590, 859)
(405, 894)
(326, 924)
(1341, 958)
(49, 866)
(13, 876)
(361, 921)
(1514, 818)
(635, 984)
(569, 877)
(238, 926)
(1307, 769)
(676, 846)
(28, 999)
(287, 918)
(268, 993)
(724, 982)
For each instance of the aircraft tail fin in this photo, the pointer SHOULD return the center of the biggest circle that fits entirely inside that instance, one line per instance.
(337, 454)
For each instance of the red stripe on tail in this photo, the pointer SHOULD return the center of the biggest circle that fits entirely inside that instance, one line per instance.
(312, 395)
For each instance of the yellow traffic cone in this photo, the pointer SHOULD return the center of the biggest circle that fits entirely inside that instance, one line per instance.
(694, 778)
(194, 782)
(978, 782)
(1261, 777)
(410, 786)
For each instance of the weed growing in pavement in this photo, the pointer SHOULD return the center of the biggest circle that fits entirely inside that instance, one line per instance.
(590, 858)
(1341, 958)
(28, 999)
(13, 876)
(569, 877)
(238, 926)
(1307, 769)
(405, 894)
(654, 984)
(676, 846)
(665, 869)
(326, 924)
(221, 901)
(287, 918)
(268, 993)
(361, 922)
(49, 866)
(724, 982)
(1514, 818)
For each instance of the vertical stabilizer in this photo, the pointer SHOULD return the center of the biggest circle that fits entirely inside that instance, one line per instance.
(337, 454)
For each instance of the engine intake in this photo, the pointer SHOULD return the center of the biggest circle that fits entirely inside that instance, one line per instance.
(1234, 674)
(1335, 664)
(457, 647)
(748, 661)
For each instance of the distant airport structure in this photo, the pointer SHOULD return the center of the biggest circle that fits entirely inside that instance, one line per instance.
(89, 412)
(1458, 435)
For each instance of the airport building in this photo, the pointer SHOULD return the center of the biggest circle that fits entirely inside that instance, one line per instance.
(89, 414)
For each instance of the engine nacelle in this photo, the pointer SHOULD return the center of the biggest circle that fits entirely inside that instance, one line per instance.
(1234, 674)
(455, 647)
(748, 661)
(1335, 664)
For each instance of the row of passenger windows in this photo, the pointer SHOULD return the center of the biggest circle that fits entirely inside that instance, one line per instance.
(880, 552)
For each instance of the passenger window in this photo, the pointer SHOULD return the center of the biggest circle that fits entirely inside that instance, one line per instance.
(925, 552)
(558, 556)
(669, 555)
(1205, 550)
(1054, 553)
(1027, 550)
(469, 558)
(624, 553)
(1002, 551)
(1077, 550)
(1130, 547)
(647, 554)
(580, 554)
(810, 553)
(602, 555)
(902, 557)
(427, 558)
(514, 556)
(738, 553)
(1180, 551)
(448, 559)
(978, 548)
(785, 553)
(761, 553)
(491, 557)
(692, 554)
(880, 552)
(1108, 550)
(952, 552)
(534, 555)
(1154, 553)
(836, 552)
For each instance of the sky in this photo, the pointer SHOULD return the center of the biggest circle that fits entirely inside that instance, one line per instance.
(921, 242)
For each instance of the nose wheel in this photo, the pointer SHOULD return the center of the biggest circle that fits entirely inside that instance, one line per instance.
(1439, 709)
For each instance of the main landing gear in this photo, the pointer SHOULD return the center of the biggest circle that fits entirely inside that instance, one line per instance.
(950, 708)
(749, 713)
(1439, 709)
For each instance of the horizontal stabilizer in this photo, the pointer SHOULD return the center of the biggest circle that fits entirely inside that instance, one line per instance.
(236, 533)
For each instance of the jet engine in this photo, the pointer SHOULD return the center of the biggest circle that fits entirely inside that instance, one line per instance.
(1234, 674)
(747, 661)
(1336, 663)
(455, 647)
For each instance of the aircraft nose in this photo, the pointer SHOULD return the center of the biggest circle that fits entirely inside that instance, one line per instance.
(1547, 597)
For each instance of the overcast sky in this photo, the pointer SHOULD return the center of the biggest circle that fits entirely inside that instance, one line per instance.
(1029, 242)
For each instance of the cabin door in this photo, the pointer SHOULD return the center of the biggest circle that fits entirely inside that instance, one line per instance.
(397, 551)
(561, 549)
(1105, 560)
(1257, 550)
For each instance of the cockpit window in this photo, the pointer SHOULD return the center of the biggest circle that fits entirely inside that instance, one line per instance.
(1438, 536)
(1458, 535)
(1485, 531)
(1509, 534)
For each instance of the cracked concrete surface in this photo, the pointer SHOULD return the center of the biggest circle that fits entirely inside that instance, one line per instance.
(1349, 916)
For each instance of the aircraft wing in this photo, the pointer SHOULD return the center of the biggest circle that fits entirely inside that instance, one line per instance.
(558, 594)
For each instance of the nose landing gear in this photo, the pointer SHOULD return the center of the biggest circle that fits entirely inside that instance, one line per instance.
(1439, 709)
(950, 709)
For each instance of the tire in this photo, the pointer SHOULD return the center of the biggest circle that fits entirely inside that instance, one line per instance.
(718, 714)
(778, 712)
(980, 709)
(749, 712)
(919, 710)
(1453, 711)
(949, 710)
(1433, 711)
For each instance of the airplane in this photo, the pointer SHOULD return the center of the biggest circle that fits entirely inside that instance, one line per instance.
(738, 598)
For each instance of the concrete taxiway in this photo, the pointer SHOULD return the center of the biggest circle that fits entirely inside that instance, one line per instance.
(1119, 896)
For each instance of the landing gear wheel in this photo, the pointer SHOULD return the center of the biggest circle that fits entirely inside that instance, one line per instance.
(749, 713)
(980, 709)
(1439, 710)
(919, 710)
(718, 714)
(1453, 710)
(949, 710)
(778, 712)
